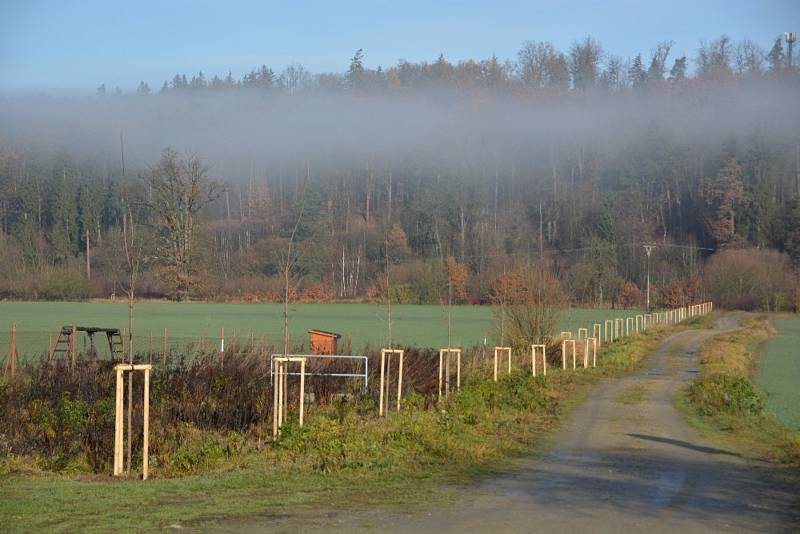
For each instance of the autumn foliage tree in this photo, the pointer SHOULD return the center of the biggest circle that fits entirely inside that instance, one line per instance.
(681, 293)
(722, 194)
(457, 276)
(630, 296)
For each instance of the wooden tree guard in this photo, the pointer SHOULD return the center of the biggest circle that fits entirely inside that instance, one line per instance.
(498, 350)
(119, 422)
(618, 327)
(566, 335)
(639, 322)
(444, 369)
(386, 359)
(583, 333)
(564, 353)
(280, 390)
(586, 351)
(597, 330)
(534, 350)
(628, 328)
(608, 334)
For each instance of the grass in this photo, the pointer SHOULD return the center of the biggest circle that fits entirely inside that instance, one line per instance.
(633, 394)
(779, 372)
(725, 405)
(342, 456)
(412, 325)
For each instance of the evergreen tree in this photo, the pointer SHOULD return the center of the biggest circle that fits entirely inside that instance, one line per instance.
(65, 217)
(678, 70)
(355, 73)
(636, 72)
(143, 89)
(776, 57)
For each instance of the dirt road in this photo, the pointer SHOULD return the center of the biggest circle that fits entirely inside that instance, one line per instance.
(625, 461)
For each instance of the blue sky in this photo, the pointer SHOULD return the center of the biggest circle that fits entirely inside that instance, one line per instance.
(72, 46)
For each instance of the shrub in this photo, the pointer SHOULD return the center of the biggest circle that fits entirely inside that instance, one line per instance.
(64, 285)
(721, 393)
(750, 279)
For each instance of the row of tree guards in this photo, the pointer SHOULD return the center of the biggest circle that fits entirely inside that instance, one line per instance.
(609, 331)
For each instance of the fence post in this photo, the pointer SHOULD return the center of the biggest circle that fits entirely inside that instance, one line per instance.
(222, 347)
(165, 346)
(72, 348)
(12, 352)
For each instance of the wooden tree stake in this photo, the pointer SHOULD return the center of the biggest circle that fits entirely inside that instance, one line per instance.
(446, 369)
(534, 350)
(119, 419)
(498, 350)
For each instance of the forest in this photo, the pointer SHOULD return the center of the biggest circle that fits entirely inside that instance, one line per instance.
(404, 179)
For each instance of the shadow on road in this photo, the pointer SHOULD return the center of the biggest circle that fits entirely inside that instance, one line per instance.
(686, 444)
(710, 490)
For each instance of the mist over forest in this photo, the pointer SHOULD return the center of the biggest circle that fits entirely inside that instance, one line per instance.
(574, 158)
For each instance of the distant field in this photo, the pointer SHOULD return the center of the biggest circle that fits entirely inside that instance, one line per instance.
(420, 325)
(779, 372)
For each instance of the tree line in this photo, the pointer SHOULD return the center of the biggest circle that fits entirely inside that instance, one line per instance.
(402, 224)
(538, 67)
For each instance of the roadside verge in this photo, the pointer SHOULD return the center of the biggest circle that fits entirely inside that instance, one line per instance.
(726, 406)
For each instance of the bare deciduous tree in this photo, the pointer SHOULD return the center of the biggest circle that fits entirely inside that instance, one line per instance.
(178, 189)
(532, 300)
(290, 260)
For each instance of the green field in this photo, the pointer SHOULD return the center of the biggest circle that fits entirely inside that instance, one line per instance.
(779, 372)
(420, 325)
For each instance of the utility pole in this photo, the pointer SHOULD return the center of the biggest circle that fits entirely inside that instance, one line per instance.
(790, 37)
(649, 249)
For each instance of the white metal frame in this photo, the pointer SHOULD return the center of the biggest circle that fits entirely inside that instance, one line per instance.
(364, 375)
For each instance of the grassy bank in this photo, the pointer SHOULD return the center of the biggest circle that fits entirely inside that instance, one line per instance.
(725, 404)
(343, 455)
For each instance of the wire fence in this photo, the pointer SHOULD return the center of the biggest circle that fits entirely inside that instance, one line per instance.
(153, 347)
(161, 347)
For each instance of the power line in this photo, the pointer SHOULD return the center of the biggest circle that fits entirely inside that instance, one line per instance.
(519, 255)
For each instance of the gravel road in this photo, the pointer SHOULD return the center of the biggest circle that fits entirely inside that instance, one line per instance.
(624, 461)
